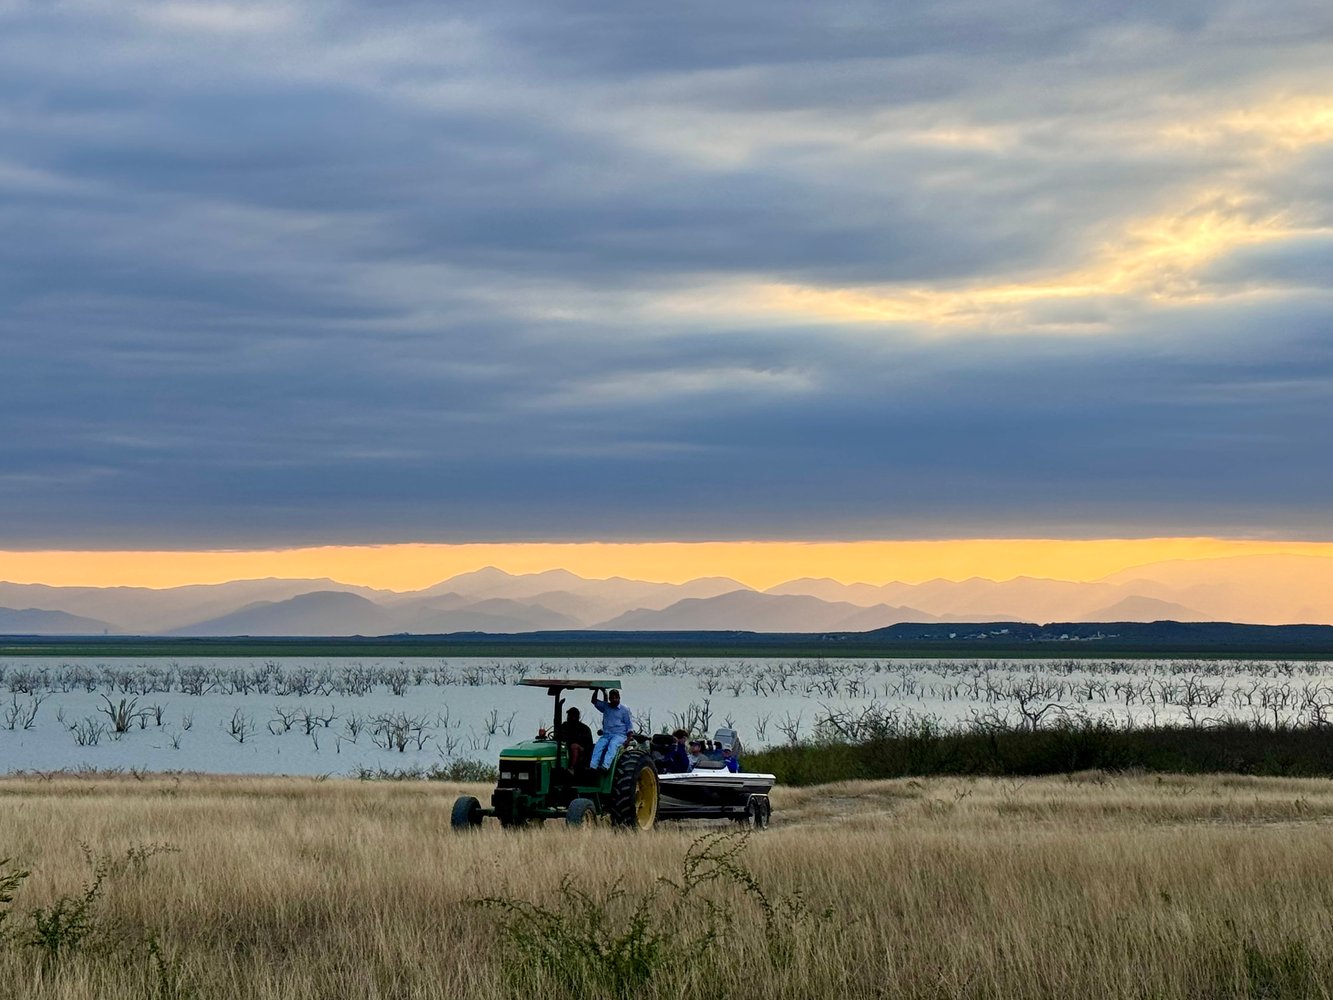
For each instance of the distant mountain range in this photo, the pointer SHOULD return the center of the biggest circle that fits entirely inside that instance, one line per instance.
(1273, 589)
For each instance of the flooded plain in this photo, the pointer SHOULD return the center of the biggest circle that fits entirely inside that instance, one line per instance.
(348, 715)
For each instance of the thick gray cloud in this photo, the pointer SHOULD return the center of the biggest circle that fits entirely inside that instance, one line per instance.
(287, 274)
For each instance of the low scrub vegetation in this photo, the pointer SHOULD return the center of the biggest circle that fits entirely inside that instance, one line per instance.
(893, 745)
(78, 922)
(456, 771)
(609, 941)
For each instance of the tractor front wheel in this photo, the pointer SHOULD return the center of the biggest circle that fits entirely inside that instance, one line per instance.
(466, 814)
(579, 811)
(634, 791)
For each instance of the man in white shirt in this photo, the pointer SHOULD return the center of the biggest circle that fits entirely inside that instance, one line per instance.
(617, 724)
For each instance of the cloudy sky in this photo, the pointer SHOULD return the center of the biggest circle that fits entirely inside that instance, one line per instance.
(291, 274)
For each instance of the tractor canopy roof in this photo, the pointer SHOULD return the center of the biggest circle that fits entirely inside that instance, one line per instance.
(554, 684)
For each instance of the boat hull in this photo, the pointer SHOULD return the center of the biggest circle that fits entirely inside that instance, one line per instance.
(703, 794)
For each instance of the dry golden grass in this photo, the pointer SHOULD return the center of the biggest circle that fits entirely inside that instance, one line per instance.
(1127, 886)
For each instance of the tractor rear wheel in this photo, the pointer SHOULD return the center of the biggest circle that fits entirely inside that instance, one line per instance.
(634, 791)
(466, 814)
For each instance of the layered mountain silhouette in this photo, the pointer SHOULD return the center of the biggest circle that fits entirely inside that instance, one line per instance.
(145, 611)
(749, 611)
(1273, 589)
(339, 613)
(35, 621)
(324, 612)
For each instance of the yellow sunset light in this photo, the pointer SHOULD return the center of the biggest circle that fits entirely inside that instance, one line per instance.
(757, 564)
(1288, 124)
(1155, 258)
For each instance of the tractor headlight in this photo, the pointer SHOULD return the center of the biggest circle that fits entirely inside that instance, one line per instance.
(506, 776)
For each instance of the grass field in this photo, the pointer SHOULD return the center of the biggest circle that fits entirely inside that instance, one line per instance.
(1092, 885)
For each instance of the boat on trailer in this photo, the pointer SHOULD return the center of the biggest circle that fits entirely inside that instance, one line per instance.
(710, 791)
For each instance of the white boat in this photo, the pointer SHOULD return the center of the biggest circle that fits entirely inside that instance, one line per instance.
(711, 791)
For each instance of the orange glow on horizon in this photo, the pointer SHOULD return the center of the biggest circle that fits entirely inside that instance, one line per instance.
(756, 564)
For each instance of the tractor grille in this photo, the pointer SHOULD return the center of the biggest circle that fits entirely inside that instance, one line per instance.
(523, 775)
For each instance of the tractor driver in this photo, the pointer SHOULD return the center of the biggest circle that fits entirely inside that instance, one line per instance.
(577, 737)
(617, 724)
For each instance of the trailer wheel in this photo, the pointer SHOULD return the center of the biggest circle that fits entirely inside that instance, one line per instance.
(579, 811)
(757, 811)
(466, 814)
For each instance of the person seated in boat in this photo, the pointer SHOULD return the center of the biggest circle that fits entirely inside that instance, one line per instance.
(676, 758)
(577, 738)
(617, 727)
(706, 761)
(696, 753)
(729, 760)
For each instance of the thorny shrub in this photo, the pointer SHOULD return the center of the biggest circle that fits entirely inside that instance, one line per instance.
(73, 921)
(613, 943)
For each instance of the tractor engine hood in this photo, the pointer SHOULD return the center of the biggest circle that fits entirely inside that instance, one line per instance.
(530, 750)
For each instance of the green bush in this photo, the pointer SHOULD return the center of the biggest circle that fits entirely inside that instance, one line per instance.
(66, 925)
(11, 880)
(611, 944)
(924, 747)
(465, 771)
(456, 770)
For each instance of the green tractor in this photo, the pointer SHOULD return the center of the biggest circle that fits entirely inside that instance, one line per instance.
(537, 782)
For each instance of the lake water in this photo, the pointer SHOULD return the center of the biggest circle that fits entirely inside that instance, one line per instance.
(336, 716)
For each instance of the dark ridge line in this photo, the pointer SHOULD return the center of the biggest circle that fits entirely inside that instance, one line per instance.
(1055, 640)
